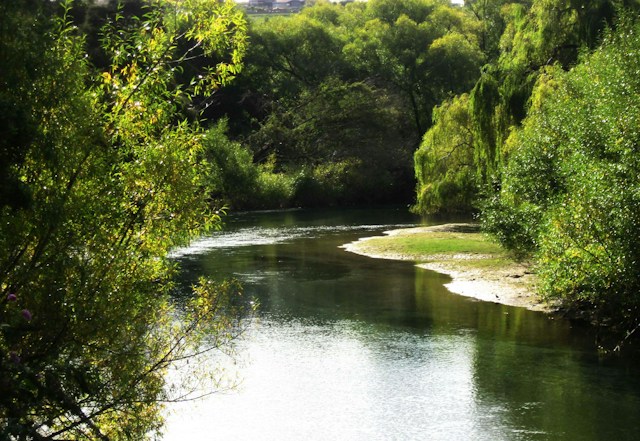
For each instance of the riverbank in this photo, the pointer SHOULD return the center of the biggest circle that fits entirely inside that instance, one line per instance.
(478, 268)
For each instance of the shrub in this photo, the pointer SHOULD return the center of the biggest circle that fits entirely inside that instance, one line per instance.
(571, 189)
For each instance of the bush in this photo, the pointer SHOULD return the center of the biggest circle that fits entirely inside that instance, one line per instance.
(327, 184)
(234, 177)
(273, 190)
(588, 252)
(516, 226)
(571, 189)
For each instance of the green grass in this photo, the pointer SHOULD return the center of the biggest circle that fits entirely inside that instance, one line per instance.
(448, 243)
(448, 249)
(422, 246)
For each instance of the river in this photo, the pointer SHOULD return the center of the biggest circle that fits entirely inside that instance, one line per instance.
(345, 347)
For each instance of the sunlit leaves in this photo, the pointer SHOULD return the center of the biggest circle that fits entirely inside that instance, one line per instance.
(115, 170)
(538, 36)
(425, 50)
(200, 41)
(444, 161)
(575, 166)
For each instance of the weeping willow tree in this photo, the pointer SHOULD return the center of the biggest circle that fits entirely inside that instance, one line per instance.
(537, 35)
(570, 194)
(102, 173)
(444, 163)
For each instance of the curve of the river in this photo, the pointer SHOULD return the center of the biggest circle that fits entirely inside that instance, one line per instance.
(345, 347)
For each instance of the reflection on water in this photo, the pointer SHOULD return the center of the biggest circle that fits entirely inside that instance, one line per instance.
(346, 381)
(350, 348)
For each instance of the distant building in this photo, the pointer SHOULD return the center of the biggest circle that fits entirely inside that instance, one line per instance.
(262, 6)
(272, 5)
(265, 5)
(296, 5)
(288, 5)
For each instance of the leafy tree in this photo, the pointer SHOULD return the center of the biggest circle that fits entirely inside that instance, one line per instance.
(350, 131)
(341, 95)
(423, 49)
(291, 54)
(110, 175)
(537, 35)
(308, 109)
(444, 162)
(236, 181)
(234, 175)
(575, 168)
(492, 22)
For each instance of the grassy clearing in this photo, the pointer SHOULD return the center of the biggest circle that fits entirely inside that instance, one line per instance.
(479, 267)
(462, 251)
(430, 246)
(446, 243)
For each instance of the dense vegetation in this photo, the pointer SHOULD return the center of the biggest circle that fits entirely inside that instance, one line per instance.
(102, 172)
(545, 149)
(570, 193)
(335, 100)
(123, 131)
(521, 112)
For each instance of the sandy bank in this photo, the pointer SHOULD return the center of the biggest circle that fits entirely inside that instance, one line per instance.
(510, 284)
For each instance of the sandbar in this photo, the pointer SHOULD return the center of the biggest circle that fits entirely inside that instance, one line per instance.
(510, 284)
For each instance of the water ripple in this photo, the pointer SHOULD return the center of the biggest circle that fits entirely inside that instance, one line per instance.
(268, 236)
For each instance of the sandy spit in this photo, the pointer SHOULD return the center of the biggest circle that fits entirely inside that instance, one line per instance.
(511, 285)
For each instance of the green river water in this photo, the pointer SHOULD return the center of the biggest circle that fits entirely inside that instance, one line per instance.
(345, 347)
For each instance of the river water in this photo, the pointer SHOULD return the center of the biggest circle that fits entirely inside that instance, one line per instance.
(345, 347)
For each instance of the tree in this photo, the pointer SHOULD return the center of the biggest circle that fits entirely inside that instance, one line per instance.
(571, 191)
(537, 35)
(291, 54)
(111, 176)
(444, 162)
(339, 96)
(492, 22)
(423, 49)
(343, 141)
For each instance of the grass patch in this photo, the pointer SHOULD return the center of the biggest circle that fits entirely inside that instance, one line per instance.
(490, 263)
(424, 246)
(447, 243)
(488, 270)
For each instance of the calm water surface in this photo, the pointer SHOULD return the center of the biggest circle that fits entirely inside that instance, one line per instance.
(345, 347)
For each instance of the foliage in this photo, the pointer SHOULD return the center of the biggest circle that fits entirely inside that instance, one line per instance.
(422, 49)
(289, 55)
(335, 124)
(489, 125)
(341, 95)
(537, 36)
(575, 166)
(492, 22)
(111, 176)
(331, 183)
(444, 162)
(233, 175)
(515, 226)
(273, 189)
